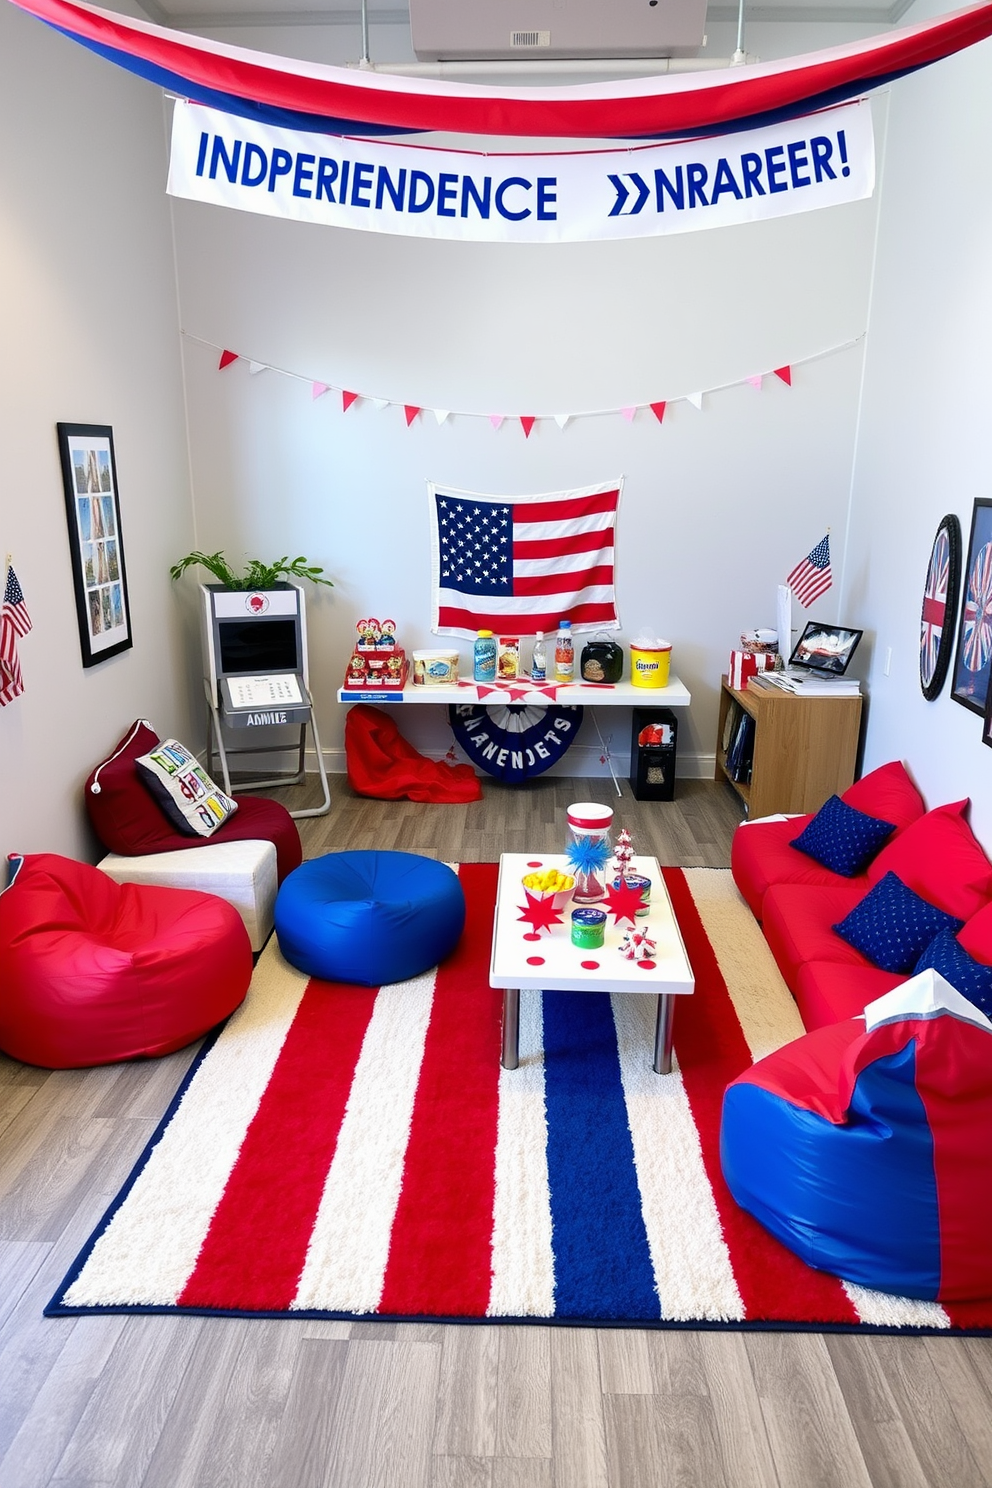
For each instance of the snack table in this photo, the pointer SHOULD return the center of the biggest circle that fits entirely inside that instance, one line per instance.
(513, 725)
(588, 694)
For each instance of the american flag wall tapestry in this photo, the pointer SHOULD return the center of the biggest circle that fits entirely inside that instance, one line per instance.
(518, 564)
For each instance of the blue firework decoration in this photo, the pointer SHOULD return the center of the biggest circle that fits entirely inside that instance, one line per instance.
(588, 855)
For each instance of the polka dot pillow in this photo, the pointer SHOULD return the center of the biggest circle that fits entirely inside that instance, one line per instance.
(946, 955)
(843, 838)
(892, 926)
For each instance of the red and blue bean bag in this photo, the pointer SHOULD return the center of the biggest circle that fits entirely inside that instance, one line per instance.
(866, 1146)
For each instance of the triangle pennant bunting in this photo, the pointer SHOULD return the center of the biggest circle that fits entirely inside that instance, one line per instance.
(561, 419)
(255, 367)
(658, 409)
(496, 419)
(318, 389)
(527, 423)
(380, 403)
(628, 414)
(347, 399)
(226, 358)
(786, 375)
(696, 399)
(441, 414)
(411, 410)
(754, 381)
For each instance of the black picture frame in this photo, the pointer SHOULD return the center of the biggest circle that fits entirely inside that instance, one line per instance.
(96, 545)
(939, 612)
(973, 660)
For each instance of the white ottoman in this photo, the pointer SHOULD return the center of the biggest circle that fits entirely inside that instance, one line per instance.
(243, 873)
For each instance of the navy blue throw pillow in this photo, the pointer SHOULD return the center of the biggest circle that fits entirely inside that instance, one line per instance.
(892, 926)
(842, 838)
(946, 955)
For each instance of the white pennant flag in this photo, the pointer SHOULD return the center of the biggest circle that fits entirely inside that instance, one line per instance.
(380, 403)
(561, 419)
(696, 399)
(255, 367)
(441, 414)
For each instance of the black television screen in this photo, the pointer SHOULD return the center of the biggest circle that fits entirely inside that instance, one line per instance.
(258, 646)
(825, 648)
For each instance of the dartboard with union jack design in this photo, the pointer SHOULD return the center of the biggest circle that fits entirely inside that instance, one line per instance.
(940, 603)
(973, 663)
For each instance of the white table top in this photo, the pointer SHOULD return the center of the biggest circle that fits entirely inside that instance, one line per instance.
(561, 964)
(596, 695)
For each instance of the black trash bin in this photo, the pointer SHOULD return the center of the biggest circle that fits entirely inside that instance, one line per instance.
(653, 749)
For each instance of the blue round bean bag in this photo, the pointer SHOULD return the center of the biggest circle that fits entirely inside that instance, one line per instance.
(369, 917)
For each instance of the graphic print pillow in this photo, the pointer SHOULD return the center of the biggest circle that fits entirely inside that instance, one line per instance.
(183, 789)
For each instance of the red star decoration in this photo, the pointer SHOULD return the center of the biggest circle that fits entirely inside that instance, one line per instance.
(540, 914)
(623, 901)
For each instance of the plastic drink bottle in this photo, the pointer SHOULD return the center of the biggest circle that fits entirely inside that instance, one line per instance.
(484, 657)
(539, 660)
(564, 653)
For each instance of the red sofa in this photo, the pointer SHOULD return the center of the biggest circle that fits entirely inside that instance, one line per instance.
(798, 902)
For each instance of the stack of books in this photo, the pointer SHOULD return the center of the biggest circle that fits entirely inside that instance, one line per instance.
(808, 684)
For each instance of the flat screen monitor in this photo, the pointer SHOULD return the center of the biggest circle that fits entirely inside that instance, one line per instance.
(825, 648)
(258, 646)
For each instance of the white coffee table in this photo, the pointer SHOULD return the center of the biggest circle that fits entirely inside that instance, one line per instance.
(551, 962)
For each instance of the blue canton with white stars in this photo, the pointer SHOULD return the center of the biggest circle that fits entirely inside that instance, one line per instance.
(476, 545)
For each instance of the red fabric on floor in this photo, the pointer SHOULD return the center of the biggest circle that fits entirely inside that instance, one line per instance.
(383, 764)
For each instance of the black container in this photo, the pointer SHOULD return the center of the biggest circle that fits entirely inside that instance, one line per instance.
(653, 750)
(601, 661)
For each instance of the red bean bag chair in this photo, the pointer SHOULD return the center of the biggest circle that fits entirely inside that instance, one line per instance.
(382, 764)
(128, 820)
(94, 972)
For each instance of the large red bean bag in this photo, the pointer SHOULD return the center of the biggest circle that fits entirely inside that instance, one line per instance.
(93, 971)
(381, 763)
(128, 820)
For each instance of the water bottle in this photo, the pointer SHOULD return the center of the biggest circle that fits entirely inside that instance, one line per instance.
(539, 660)
(564, 653)
(484, 657)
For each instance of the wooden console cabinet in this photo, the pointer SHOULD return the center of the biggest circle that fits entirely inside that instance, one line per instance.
(805, 749)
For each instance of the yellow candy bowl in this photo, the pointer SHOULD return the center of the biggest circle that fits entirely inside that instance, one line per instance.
(561, 896)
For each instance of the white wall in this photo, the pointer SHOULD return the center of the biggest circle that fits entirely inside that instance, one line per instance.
(924, 446)
(717, 506)
(88, 334)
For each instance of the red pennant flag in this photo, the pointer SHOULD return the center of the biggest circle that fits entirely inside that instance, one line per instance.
(658, 409)
(527, 423)
(226, 358)
(411, 412)
(786, 375)
(347, 399)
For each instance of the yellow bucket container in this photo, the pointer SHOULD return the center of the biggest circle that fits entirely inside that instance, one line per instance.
(649, 665)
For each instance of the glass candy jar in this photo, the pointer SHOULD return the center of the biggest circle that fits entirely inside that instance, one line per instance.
(588, 849)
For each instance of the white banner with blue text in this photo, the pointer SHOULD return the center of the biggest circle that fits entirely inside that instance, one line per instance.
(420, 191)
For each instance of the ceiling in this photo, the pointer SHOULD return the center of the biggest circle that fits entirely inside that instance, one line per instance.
(201, 15)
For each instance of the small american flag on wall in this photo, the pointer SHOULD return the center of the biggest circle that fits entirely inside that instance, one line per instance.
(14, 622)
(518, 564)
(812, 577)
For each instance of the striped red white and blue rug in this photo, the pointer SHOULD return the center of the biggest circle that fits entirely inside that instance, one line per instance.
(339, 1151)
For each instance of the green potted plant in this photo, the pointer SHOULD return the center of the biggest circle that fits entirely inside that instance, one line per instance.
(257, 575)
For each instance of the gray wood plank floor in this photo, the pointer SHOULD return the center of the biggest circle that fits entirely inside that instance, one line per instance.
(173, 1402)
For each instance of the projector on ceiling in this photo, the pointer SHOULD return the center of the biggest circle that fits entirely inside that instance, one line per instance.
(538, 30)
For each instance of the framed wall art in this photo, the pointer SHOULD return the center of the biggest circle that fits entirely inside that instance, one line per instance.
(973, 663)
(940, 606)
(89, 476)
